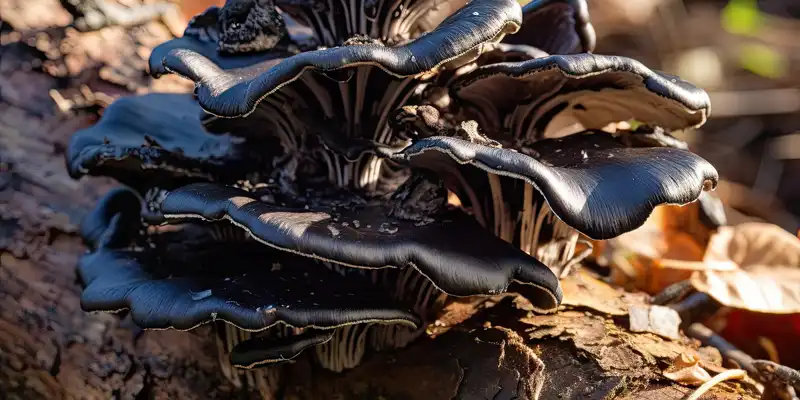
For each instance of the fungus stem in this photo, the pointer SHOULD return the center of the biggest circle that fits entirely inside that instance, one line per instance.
(504, 225)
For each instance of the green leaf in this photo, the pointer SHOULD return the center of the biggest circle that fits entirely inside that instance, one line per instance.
(742, 17)
(762, 60)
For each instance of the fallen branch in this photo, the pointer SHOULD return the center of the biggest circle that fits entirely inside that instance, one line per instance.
(779, 381)
(727, 375)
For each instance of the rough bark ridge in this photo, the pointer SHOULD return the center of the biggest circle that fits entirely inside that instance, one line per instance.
(54, 80)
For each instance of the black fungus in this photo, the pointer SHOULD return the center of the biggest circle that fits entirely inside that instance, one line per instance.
(341, 173)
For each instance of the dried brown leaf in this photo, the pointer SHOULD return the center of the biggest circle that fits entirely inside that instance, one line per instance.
(753, 265)
(655, 255)
(774, 290)
(731, 374)
(767, 277)
(686, 370)
(754, 244)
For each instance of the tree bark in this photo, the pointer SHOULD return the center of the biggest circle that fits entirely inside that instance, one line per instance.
(56, 83)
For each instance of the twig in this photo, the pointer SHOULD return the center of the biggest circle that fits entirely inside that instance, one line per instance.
(696, 307)
(770, 348)
(729, 352)
(782, 373)
(672, 292)
(727, 375)
(769, 174)
(786, 147)
(778, 380)
(576, 259)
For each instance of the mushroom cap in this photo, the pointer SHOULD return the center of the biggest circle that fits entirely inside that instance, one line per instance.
(259, 291)
(556, 26)
(105, 226)
(506, 52)
(299, 294)
(525, 98)
(157, 138)
(236, 92)
(591, 181)
(458, 255)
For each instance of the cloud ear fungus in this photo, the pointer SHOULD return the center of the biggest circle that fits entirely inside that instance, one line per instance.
(556, 27)
(118, 277)
(254, 301)
(288, 303)
(276, 293)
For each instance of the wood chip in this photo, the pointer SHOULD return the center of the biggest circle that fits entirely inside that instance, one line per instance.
(662, 321)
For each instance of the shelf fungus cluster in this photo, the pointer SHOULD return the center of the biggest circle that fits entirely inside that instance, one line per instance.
(343, 170)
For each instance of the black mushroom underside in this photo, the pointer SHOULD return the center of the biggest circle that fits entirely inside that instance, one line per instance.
(261, 289)
(388, 21)
(548, 96)
(265, 350)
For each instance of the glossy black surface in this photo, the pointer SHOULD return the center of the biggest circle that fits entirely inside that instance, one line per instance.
(327, 82)
(458, 255)
(156, 138)
(270, 350)
(237, 92)
(591, 181)
(253, 290)
(556, 26)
